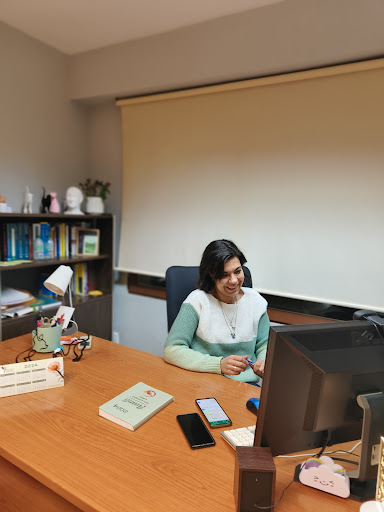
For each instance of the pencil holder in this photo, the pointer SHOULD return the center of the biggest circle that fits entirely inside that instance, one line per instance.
(46, 339)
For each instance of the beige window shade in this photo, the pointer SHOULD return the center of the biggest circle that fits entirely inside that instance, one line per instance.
(291, 168)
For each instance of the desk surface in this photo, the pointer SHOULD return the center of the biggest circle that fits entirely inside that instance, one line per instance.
(57, 437)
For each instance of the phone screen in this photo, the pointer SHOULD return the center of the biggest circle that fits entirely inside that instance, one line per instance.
(194, 430)
(214, 414)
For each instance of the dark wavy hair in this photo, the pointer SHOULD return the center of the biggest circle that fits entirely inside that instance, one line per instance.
(215, 255)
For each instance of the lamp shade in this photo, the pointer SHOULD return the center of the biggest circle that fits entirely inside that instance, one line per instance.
(59, 280)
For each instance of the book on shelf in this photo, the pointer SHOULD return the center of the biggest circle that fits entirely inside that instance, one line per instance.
(17, 239)
(43, 291)
(135, 406)
(14, 297)
(81, 279)
(42, 302)
(33, 304)
(84, 278)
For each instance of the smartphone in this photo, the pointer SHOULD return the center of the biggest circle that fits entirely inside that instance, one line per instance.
(213, 413)
(194, 430)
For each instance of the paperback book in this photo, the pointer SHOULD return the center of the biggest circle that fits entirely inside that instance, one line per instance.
(135, 406)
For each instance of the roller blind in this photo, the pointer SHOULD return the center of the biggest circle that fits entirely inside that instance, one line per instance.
(290, 168)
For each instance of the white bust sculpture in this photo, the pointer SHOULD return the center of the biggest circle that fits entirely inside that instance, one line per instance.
(73, 198)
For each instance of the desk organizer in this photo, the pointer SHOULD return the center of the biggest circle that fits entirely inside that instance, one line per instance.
(323, 474)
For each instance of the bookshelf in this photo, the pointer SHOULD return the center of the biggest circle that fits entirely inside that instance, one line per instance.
(93, 314)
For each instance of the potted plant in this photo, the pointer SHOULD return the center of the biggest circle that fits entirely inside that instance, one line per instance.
(95, 192)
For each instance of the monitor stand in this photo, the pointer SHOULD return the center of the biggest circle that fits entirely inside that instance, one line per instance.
(363, 480)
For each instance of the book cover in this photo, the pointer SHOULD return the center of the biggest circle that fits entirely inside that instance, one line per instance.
(135, 406)
(45, 302)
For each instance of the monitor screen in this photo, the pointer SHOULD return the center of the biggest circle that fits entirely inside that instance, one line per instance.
(313, 376)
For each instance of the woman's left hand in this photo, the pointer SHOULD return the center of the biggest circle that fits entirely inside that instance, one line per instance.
(258, 367)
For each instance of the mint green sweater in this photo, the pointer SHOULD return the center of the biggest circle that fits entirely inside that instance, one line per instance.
(200, 338)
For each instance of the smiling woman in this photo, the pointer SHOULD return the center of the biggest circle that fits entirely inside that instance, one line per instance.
(221, 327)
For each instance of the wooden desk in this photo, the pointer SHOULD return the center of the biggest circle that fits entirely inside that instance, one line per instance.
(59, 455)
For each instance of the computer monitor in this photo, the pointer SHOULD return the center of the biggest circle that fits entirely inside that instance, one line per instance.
(324, 383)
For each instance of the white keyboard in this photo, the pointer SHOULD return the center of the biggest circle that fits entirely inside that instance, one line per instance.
(240, 436)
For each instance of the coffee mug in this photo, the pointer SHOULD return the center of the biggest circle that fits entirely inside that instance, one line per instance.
(46, 339)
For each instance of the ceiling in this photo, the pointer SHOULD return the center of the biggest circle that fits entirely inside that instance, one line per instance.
(75, 26)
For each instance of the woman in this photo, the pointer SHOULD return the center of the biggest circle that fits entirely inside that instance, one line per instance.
(221, 325)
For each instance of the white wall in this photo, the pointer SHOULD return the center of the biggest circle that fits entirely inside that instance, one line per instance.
(140, 321)
(43, 133)
(105, 153)
(286, 36)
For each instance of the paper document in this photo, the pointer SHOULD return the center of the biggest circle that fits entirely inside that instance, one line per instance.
(13, 297)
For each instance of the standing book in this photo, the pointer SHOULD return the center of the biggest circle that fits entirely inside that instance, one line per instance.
(135, 406)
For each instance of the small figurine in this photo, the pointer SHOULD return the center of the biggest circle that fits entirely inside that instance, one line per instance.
(27, 205)
(73, 198)
(54, 207)
(45, 202)
(3, 204)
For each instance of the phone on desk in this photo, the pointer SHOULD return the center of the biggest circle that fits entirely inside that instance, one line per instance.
(213, 412)
(194, 430)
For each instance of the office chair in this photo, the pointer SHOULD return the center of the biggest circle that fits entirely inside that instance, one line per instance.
(180, 282)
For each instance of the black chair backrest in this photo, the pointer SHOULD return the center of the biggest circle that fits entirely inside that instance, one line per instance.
(180, 282)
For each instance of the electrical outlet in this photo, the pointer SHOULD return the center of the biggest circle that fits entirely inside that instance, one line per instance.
(85, 342)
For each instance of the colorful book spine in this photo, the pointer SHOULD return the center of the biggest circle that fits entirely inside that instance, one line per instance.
(11, 241)
(67, 241)
(73, 250)
(62, 240)
(3, 242)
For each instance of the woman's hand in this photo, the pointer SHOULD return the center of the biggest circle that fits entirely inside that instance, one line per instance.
(233, 365)
(258, 367)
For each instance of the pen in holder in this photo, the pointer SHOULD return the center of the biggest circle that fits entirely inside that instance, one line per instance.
(46, 339)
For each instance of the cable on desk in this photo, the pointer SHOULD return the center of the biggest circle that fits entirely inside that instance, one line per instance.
(31, 353)
(326, 440)
(281, 497)
(350, 452)
(76, 341)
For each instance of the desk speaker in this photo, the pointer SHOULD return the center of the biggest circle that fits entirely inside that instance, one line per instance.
(255, 475)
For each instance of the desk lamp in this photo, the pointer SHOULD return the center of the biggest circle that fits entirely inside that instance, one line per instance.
(58, 282)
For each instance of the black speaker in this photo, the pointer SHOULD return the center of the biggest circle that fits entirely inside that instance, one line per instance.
(255, 475)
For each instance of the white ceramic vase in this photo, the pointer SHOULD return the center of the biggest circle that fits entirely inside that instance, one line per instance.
(94, 205)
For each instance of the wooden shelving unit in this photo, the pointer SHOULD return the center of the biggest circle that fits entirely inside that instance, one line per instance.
(93, 314)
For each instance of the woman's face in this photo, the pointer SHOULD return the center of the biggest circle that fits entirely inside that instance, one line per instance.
(228, 287)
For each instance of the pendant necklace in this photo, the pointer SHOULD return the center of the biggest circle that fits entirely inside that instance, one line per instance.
(231, 324)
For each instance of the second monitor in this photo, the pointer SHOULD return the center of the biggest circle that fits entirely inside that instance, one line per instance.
(323, 385)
